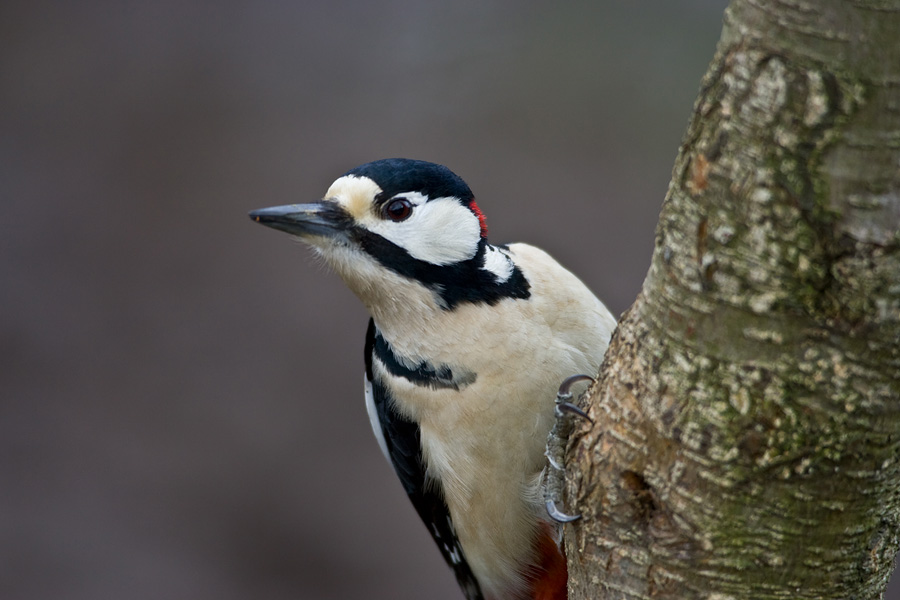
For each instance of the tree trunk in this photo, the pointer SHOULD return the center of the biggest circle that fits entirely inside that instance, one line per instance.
(747, 417)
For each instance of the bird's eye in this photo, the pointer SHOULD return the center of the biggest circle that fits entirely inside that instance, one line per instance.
(398, 209)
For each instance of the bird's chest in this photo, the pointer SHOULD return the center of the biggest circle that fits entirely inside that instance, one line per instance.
(482, 421)
(479, 385)
(478, 382)
(481, 437)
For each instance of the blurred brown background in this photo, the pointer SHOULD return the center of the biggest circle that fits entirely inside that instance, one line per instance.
(182, 411)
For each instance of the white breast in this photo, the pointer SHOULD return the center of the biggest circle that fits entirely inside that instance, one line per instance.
(485, 442)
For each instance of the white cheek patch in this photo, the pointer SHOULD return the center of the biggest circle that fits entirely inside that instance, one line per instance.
(440, 231)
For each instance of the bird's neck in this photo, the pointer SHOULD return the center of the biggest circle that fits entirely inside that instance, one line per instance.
(413, 309)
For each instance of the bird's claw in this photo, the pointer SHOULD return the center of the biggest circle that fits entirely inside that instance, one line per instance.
(558, 515)
(568, 407)
(554, 474)
(565, 388)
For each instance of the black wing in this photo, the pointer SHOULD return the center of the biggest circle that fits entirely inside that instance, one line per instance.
(404, 448)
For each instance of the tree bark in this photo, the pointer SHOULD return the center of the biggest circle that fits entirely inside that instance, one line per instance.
(746, 436)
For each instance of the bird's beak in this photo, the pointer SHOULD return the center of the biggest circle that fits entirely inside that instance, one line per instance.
(323, 219)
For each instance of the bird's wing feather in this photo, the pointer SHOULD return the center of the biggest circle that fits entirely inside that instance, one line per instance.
(400, 440)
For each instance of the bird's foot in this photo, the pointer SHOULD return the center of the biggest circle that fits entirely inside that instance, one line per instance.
(553, 480)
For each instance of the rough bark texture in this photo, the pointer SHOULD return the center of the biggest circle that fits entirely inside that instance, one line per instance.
(747, 420)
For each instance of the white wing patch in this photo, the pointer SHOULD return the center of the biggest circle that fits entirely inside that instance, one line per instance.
(373, 419)
(498, 263)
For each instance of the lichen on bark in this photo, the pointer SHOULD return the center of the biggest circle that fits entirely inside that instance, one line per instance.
(747, 418)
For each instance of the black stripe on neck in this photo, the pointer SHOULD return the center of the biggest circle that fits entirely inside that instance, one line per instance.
(453, 284)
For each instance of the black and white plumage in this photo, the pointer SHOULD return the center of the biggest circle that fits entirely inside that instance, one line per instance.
(467, 344)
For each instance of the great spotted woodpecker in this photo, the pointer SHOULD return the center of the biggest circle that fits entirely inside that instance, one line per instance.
(465, 349)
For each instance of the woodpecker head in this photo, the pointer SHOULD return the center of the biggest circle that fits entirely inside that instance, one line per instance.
(403, 218)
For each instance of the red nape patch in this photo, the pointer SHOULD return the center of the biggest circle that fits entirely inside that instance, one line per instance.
(481, 220)
(547, 580)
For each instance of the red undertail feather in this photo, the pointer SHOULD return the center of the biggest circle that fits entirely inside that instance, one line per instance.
(548, 580)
